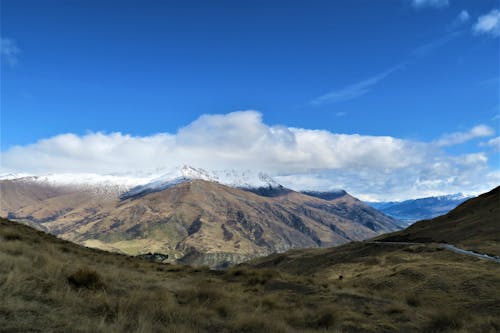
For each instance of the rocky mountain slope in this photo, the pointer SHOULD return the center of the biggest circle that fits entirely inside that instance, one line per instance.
(191, 220)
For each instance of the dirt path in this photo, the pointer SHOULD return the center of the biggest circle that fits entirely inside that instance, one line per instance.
(448, 247)
(470, 253)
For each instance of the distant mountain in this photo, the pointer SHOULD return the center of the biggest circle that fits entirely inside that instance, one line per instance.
(413, 210)
(474, 224)
(192, 217)
(352, 208)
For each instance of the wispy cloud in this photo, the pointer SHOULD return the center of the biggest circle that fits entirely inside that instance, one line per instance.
(463, 16)
(491, 81)
(494, 143)
(353, 90)
(362, 87)
(461, 19)
(430, 3)
(488, 24)
(427, 48)
(451, 139)
(9, 51)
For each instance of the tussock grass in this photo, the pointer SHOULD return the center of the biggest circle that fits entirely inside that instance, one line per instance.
(86, 278)
(443, 322)
(49, 285)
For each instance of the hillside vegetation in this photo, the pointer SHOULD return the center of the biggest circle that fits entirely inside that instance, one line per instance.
(51, 285)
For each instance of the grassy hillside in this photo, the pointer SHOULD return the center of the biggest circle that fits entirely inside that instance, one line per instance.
(47, 284)
(475, 225)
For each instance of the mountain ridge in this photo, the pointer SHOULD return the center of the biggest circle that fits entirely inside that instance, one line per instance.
(412, 210)
(198, 221)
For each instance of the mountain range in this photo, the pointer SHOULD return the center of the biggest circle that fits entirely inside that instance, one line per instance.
(474, 224)
(190, 215)
(412, 210)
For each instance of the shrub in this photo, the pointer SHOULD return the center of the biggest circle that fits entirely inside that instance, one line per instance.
(86, 278)
(201, 294)
(223, 310)
(412, 301)
(443, 322)
(253, 323)
(11, 236)
(322, 320)
(394, 310)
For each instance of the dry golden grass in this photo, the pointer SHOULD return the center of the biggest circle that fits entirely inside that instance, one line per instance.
(49, 285)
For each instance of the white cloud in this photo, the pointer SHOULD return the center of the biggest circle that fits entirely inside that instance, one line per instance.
(9, 51)
(488, 24)
(354, 90)
(439, 175)
(455, 138)
(494, 143)
(463, 16)
(430, 3)
(377, 166)
(238, 139)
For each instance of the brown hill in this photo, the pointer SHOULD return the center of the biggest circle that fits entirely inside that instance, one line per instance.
(196, 221)
(51, 285)
(475, 225)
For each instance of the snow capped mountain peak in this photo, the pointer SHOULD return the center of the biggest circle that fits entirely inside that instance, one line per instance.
(190, 172)
(233, 178)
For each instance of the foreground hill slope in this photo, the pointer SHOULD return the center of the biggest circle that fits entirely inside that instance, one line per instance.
(51, 285)
(475, 225)
(195, 221)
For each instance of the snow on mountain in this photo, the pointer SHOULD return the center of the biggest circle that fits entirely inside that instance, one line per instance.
(130, 185)
(11, 176)
(103, 185)
(233, 178)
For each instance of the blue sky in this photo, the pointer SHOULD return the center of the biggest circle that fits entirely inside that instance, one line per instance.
(419, 71)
